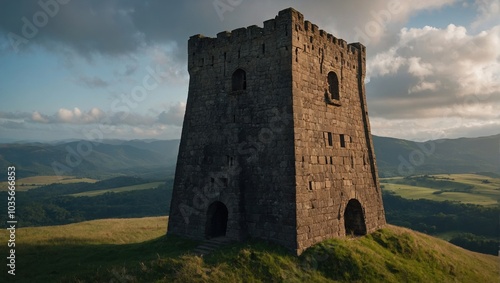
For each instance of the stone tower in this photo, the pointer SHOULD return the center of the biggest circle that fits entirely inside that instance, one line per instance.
(276, 139)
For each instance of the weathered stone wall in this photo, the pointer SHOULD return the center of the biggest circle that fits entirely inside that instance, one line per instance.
(329, 173)
(237, 146)
(272, 152)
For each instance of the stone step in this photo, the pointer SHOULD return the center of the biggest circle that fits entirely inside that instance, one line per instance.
(211, 245)
(214, 245)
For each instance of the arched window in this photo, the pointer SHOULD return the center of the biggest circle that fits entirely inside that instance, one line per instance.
(239, 80)
(333, 86)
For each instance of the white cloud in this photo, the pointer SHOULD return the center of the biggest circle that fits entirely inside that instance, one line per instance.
(417, 68)
(434, 128)
(174, 115)
(37, 117)
(75, 116)
(488, 13)
(433, 71)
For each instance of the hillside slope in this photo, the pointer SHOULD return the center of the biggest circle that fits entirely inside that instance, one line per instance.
(397, 157)
(134, 250)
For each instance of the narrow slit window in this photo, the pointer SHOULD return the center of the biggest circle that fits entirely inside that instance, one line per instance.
(333, 85)
(342, 140)
(330, 139)
(224, 182)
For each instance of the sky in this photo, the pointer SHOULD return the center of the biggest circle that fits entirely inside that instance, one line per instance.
(109, 69)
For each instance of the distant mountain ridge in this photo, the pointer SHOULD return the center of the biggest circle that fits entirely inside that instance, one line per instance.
(155, 158)
(398, 157)
(97, 160)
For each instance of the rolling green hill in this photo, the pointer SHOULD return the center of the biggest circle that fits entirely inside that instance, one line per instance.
(135, 250)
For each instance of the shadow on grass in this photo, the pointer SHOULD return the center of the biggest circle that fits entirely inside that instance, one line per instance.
(66, 259)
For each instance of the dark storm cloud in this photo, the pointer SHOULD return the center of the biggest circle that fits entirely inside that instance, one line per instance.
(116, 27)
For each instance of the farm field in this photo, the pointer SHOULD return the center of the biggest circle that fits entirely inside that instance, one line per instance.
(29, 183)
(145, 186)
(464, 188)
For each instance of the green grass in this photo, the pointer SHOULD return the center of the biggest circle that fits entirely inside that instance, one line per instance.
(28, 183)
(136, 250)
(145, 186)
(464, 188)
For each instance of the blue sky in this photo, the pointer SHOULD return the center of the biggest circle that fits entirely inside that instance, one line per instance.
(119, 67)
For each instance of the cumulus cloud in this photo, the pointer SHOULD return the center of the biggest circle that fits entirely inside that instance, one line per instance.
(119, 27)
(173, 116)
(488, 11)
(433, 72)
(434, 128)
(414, 72)
(37, 117)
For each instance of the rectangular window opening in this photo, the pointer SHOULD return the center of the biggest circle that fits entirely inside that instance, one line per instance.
(342, 140)
(310, 185)
(224, 182)
(330, 139)
(229, 160)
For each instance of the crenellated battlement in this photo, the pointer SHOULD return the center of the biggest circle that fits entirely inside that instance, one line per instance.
(287, 30)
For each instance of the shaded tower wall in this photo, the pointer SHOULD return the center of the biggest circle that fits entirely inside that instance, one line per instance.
(237, 145)
(334, 157)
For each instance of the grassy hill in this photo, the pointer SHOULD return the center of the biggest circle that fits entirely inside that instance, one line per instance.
(135, 250)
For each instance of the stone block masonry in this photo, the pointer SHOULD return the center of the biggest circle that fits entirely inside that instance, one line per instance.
(276, 140)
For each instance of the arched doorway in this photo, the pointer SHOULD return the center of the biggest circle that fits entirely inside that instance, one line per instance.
(216, 220)
(354, 218)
